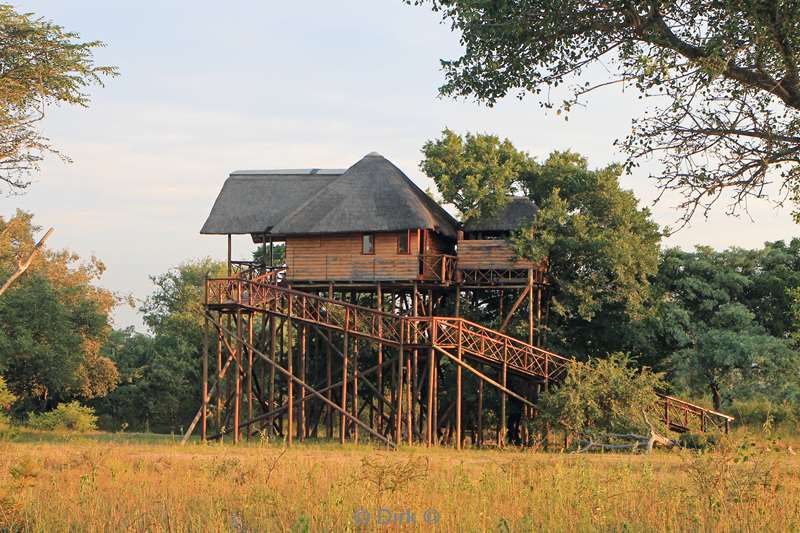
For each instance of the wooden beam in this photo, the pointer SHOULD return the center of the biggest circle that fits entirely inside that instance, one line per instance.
(514, 308)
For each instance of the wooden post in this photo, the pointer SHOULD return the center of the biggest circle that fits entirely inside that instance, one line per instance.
(218, 414)
(480, 413)
(249, 372)
(329, 371)
(380, 359)
(290, 381)
(204, 426)
(355, 388)
(458, 384)
(272, 352)
(345, 348)
(501, 431)
(530, 307)
(237, 377)
(431, 379)
(399, 407)
(230, 253)
(301, 426)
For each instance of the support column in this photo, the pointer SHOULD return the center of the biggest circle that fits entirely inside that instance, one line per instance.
(290, 381)
(345, 348)
(301, 426)
(203, 427)
(272, 352)
(249, 372)
(237, 377)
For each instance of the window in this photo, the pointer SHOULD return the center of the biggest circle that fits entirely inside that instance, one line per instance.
(368, 243)
(402, 243)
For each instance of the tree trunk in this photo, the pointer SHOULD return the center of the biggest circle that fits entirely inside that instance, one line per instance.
(22, 266)
(716, 396)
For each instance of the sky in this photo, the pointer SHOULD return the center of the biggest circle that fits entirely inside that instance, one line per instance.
(207, 88)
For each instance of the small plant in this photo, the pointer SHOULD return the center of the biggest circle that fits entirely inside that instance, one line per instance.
(70, 416)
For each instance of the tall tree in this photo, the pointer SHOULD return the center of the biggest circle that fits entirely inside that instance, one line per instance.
(53, 323)
(160, 372)
(41, 64)
(723, 75)
(600, 246)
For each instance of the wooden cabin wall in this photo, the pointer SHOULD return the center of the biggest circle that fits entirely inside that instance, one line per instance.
(339, 258)
(489, 254)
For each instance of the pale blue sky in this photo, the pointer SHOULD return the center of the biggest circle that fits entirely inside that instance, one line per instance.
(210, 87)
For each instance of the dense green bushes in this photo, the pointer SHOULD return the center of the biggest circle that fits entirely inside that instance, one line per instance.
(70, 416)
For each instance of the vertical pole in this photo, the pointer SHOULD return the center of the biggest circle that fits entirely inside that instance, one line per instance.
(271, 252)
(204, 427)
(501, 431)
(329, 371)
(380, 360)
(301, 426)
(355, 389)
(399, 407)
(290, 383)
(249, 372)
(218, 413)
(415, 355)
(272, 354)
(238, 377)
(345, 346)
(458, 382)
(230, 253)
(480, 412)
(431, 378)
(530, 306)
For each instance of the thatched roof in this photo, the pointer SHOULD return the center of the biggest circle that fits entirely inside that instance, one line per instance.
(253, 201)
(372, 195)
(517, 212)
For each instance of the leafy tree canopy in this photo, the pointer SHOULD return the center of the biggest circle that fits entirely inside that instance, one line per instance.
(53, 323)
(41, 64)
(723, 77)
(601, 248)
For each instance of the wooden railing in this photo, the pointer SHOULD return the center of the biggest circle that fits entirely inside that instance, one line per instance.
(447, 333)
(438, 267)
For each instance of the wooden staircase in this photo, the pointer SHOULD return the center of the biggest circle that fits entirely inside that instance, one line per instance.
(456, 337)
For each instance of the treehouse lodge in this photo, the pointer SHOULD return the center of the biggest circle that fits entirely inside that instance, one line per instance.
(367, 224)
(362, 281)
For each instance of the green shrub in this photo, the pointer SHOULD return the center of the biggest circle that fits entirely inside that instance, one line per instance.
(697, 441)
(67, 416)
(760, 412)
(6, 399)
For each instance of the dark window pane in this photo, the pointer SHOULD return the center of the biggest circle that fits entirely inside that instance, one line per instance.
(402, 243)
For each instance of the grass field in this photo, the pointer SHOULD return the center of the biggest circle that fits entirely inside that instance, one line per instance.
(107, 482)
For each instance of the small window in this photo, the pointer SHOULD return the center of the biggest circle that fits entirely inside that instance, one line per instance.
(368, 243)
(402, 243)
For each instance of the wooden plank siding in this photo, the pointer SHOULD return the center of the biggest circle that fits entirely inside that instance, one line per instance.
(339, 258)
(490, 254)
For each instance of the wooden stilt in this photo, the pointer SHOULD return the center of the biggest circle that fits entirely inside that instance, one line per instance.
(345, 348)
(249, 371)
(301, 426)
(204, 426)
(238, 378)
(289, 380)
(273, 352)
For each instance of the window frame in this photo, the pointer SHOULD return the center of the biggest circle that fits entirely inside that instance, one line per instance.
(408, 243)
(372, 241)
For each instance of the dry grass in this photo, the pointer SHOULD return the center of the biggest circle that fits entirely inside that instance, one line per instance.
(86, 485)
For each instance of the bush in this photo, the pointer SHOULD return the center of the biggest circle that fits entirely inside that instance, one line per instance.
(6, 399)
(603, 396)
(760, 412)
(697, 441)
(67, 416)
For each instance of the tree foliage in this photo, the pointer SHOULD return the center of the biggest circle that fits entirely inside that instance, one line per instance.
(605, 395)
(41, 64)
(160, 372)
(723, 321)
(722, 78)
(600, 247)
(53, 323)
(475, 173)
